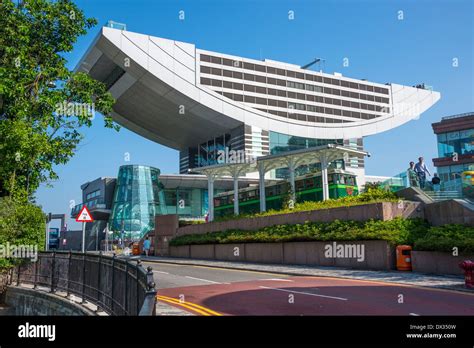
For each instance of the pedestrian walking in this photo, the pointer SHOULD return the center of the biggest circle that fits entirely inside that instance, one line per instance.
(146, 246)
(412, 176)
(421, 170)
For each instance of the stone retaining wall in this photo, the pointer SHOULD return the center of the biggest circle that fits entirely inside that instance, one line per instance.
(23, 301)
(378, 255)
(438, 262)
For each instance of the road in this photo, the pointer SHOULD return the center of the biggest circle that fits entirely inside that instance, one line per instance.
(216, 291)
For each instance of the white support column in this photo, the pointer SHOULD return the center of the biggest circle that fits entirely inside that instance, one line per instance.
(236, 193)
(210, 197)
(324, 176)
(291, 167)
(261, 185)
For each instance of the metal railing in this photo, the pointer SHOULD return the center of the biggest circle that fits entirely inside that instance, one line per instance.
(116, 286)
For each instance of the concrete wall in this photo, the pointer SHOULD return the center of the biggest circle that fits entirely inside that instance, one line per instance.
(23, 301)
(378, 255)
(378, 211)
(438, 262)
(165, 229)
(454, 211)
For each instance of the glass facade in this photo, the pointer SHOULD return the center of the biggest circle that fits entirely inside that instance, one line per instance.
(186, 202)
(137, 199)
(460, 142)
(451, 176)
(208, 152)
(280, 143)
(283, 143)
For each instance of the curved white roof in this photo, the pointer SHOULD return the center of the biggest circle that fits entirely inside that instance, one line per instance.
(159, 96)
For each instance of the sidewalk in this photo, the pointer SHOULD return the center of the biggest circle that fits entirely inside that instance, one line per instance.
(406, 278)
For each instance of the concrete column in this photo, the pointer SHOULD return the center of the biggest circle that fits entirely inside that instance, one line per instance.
(210, 197)
(236, 193)
(324, 177)
(261, 185)
(291, 167)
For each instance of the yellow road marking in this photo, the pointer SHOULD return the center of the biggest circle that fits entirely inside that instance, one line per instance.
(185, 306)
(189, 304)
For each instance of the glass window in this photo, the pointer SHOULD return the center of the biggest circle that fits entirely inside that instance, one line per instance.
(217, 83)
(249, 99)
(271, 70)
(216, 60)
(215, 71)
(238, 86)
(205, 69)
(228, 62)
(237, 75)
(249, 77)
(249, 66)
(205, 81)
(249, 88)
(205, 58)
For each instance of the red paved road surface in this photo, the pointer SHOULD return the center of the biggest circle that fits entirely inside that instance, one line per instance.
(323, 296)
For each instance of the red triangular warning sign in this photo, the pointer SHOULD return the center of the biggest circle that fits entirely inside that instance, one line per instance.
(84, 215)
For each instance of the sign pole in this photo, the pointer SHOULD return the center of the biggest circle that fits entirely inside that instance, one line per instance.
(83, 237)
(84, 216)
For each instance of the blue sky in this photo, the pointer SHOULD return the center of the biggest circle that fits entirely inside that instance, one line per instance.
(380, 48)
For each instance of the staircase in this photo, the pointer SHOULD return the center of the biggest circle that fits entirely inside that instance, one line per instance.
(438, 196)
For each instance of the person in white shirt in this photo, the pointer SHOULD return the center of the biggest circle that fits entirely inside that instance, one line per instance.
(421, 170)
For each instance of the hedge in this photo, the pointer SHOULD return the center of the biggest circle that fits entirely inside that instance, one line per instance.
(446, 237)
(415, 232)
(372, 195)
(394, 231)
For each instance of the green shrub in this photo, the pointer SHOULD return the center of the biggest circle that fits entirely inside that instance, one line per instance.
(445, 238)
(372, 195)
(397, 231)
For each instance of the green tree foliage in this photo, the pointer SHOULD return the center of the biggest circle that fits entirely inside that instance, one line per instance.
(21, 223)
(35, 133)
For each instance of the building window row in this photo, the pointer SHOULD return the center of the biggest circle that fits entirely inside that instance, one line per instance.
(293, 74)
(298, 107)
(93, 194)
(284, 83)
(291, 95)
(305, 107)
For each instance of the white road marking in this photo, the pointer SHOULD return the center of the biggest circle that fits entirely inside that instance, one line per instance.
(203, 280)
(160, 272)
(278, 280)
(305, 293)
(414, 314)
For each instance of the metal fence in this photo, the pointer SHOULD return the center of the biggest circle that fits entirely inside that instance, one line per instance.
(115, 285)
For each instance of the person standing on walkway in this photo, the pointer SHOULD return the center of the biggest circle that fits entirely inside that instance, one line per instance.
(436, 182)
(146, 246)
(421, 170)
(412, 176)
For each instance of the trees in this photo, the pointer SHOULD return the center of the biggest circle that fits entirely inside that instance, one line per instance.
(39, 118)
